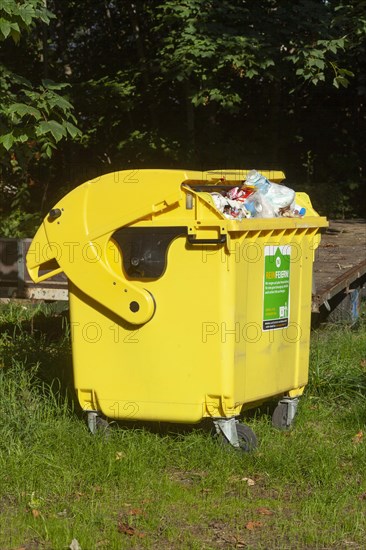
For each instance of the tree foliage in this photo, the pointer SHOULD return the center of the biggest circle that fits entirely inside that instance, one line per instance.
(35, 115)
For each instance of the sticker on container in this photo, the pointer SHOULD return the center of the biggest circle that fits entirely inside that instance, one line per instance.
(276, 302)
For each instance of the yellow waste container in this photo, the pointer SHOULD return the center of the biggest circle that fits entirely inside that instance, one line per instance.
(178, 313)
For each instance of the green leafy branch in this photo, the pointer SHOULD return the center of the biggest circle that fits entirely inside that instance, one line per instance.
(18, 16)
(41, 116)
(312, 63)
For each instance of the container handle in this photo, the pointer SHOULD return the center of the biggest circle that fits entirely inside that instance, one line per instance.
(221, 240)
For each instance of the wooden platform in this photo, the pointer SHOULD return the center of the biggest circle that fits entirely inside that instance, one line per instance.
(15, 281)
(340, 261)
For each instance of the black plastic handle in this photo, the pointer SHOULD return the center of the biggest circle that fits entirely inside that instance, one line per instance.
(192, 240)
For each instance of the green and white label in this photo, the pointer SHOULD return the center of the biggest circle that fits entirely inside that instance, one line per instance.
(276, 301)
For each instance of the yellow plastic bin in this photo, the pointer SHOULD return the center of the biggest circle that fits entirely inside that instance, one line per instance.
(177, 313)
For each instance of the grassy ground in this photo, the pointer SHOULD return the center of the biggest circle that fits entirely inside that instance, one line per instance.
(304, 488)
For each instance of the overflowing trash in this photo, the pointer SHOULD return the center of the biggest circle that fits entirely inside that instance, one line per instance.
(257, 197)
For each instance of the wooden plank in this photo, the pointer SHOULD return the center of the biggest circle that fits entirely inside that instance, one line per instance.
(15, 281)
(340, 260)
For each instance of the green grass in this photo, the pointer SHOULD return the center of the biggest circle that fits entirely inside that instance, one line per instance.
(142, 489)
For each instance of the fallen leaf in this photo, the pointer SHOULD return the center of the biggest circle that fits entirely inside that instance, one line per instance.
(249, 481)
(120, 455)
(358, 437)
(363, 363)
(36, 513)
(135, 512)
(240, 544)
(251, 525)
(264, 511)
(74, 545)
(62, 514)
(362, 497)
(127, 529)
(104, 542)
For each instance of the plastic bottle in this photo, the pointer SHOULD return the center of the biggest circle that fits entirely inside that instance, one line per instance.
(273, 195)
(299, 210)
(255, 178)
(258, 207)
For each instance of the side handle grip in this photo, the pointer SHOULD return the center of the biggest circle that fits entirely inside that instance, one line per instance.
(192, 240)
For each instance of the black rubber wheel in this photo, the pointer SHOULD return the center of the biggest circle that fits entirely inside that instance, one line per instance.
(103, 426)
(247, 439)
(279, 417)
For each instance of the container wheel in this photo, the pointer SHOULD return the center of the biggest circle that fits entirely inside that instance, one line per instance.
(98, 424)
(247, 438)
(279, 417)
(102, 425)
(285, 412)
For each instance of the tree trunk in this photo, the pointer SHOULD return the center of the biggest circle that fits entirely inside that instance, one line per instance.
(45, 46)
(190, 121)
(142, 62)
(275, 123)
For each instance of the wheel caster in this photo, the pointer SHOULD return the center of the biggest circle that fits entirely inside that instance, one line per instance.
(247, 438)
(97, 424)
(239, 436)
(103, 426)
(284, 414)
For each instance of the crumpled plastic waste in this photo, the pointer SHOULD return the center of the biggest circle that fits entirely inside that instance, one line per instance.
(232, 208)
(257, 198)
